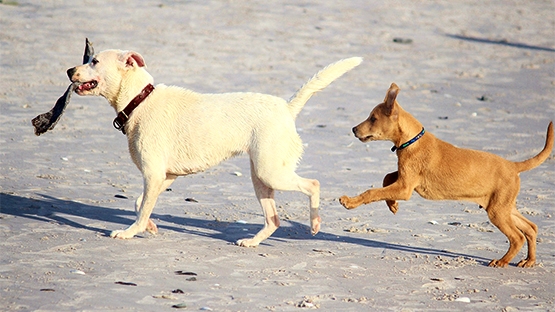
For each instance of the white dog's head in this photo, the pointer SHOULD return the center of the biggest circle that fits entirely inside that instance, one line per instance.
(108, 72)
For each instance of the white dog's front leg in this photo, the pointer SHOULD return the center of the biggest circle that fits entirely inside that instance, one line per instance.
(135, 229)
(151, 226)
(147, 200)
(127, 233)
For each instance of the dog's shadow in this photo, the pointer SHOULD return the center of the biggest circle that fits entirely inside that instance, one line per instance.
(51, 209)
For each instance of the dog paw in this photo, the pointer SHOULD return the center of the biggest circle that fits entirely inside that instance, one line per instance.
(393, 206)
(498, 264)
(347, 202)
(151, 227)
(121, 234)
(247, 242)
(526, 263)
(315, 225)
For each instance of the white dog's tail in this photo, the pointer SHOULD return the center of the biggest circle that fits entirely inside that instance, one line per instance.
(319, 81)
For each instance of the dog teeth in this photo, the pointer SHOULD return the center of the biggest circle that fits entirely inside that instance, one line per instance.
(85, 86)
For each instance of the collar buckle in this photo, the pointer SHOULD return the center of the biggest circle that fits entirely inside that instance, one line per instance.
(122, 117)
(118, 124)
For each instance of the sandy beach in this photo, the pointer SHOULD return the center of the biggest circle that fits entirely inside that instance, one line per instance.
(478, 74)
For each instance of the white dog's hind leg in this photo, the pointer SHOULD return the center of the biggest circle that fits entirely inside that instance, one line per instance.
(265, 196)
(290, 181)
(144, 206)
(311, 188)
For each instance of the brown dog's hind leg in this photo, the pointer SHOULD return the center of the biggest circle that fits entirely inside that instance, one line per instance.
(391, 178)
(500, 215)
(530, 231)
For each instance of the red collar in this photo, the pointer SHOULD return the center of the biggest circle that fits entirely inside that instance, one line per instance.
(123, 116)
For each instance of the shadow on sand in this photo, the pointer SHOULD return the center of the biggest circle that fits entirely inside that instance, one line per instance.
(50, 209)
(501, 42)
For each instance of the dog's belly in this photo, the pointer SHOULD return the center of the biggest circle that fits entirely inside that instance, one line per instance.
(190, 165)
(451, 192)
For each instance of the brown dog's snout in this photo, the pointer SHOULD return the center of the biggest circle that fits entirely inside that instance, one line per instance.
(71, 72)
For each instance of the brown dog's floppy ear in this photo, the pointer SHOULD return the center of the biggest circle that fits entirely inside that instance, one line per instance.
(390, 97)
(132, 59)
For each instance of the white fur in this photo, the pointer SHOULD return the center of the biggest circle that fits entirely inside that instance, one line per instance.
(176, 131)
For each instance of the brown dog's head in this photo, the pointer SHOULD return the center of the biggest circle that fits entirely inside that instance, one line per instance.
(382, 123)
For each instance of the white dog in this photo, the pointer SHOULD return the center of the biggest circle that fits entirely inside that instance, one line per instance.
(174, 131)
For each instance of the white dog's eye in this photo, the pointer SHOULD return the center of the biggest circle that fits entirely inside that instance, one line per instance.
(94, 61)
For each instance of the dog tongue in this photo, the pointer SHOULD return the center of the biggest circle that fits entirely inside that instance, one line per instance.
(85, 86)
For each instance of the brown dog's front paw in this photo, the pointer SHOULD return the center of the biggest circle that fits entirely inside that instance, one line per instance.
(347, 202)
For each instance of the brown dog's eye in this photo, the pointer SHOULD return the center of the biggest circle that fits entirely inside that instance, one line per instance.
(372, 118)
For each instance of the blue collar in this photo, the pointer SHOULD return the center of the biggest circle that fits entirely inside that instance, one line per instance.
(406, 144)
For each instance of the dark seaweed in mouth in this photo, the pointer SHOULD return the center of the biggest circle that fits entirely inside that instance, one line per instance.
(48, 120)
(89, 51)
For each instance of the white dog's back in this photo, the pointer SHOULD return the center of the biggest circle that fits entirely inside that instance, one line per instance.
(201, 130)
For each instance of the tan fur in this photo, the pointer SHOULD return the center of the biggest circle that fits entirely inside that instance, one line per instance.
(438, 170)
(176, 132)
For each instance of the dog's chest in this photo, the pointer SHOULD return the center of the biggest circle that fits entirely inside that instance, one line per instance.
(428, 191)
(424, 191)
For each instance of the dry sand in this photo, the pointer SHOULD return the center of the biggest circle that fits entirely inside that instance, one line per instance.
(479, 74)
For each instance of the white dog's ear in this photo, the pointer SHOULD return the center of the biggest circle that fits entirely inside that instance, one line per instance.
(132, 59)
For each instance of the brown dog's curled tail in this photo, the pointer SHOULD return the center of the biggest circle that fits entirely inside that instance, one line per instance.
(542, 156)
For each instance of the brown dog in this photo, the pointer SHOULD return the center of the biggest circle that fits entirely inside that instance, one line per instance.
(438, 170)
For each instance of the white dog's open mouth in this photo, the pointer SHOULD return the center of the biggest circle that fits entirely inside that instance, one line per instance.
(87, 86)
